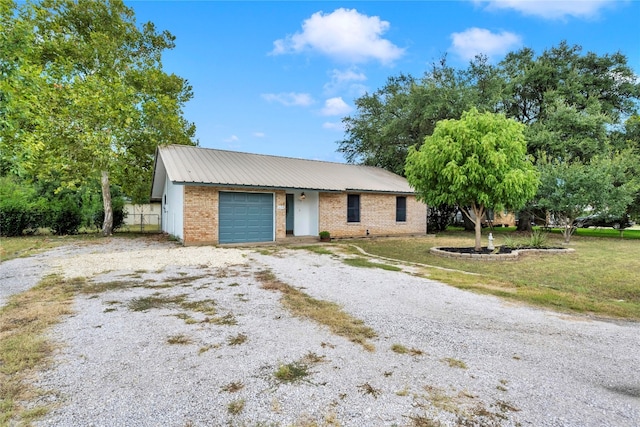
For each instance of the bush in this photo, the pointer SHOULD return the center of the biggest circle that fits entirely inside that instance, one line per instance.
(64, 216)
(18, 212)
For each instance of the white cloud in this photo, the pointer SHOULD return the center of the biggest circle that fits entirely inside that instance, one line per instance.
(474, 41)
(335, 107)
(232, 138)
(290, 99)
(342, 80)
(345, 35)
(551, 9)
(259, 134)
(338, 126)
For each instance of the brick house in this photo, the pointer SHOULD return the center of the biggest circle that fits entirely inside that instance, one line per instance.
(214, 196)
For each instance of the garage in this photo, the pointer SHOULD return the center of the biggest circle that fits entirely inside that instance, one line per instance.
(245, 217)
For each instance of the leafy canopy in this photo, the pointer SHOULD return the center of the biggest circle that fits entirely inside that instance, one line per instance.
(480, 159)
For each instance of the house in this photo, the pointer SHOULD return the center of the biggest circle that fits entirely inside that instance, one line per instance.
(214, 196)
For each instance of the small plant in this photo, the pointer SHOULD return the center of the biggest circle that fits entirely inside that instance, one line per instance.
(367, 388)
(178, 339)
(292, 372)
(455, 363)
(400, 349)
(237, 339)
(236, 406)
(538, 239)
(325, 236)
(233, 387)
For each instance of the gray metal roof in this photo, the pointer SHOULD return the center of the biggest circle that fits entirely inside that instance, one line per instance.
(194, 165)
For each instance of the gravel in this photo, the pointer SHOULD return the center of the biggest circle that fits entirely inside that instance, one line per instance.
(483, 361)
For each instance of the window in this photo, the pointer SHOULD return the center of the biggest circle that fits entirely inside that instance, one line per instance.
(401, 209)
(353, 208)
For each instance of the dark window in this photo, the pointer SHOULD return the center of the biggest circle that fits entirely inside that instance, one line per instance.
(401, 209)
(353, 208)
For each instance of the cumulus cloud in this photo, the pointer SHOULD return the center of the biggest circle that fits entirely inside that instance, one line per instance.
(337, 126)
(232, 138)
(551, 9)
(335, 107)
(345, 35)
(290, 99)
(346, 80)
(474, 41)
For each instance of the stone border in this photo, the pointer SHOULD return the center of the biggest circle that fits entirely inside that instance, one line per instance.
(498, 257)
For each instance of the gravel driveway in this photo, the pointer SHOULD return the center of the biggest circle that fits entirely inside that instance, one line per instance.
(470, 360)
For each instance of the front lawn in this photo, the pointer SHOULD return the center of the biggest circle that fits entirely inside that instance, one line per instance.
(600, 277)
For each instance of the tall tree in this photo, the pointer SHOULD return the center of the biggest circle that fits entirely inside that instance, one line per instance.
(479, 162)
(103, 102)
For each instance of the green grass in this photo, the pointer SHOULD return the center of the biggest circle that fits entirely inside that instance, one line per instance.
(365, 263)
(600, 277)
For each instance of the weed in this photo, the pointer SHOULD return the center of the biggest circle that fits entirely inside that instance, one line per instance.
(367, 388)
(400, 349)
(187, 319)
(115, 285)
(207, 306)
(312, 358)
(234, 284)
(236, 406)
(292, 372)
(154, 301)
(323, 312)
(237, 339)
(228, 319)
(454, 363)
(404, 392)
(320, 250)
(178, 339)
(183, 278)
(233, 387)
(109, 310)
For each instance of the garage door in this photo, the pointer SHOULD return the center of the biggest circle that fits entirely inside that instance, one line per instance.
(245, 217)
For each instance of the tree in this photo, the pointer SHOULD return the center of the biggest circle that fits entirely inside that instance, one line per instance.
(479, 162)
(100, 102)
(569, 188)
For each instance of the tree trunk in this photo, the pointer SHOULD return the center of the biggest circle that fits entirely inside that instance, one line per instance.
(524, 221)
(478, 212)
(107, 224)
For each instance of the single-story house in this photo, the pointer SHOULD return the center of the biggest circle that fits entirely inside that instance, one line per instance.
(213, 196)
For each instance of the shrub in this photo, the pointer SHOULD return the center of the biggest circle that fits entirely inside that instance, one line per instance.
(64, 216)
(538, 239)
(18, 212)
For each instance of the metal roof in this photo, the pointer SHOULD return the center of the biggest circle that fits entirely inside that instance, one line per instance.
(185, 164)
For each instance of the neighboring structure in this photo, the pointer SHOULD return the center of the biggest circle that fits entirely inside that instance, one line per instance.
(143, 214)
(213, 196)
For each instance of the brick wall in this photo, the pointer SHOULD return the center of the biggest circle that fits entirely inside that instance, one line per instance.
(200, 215)
(377, 214)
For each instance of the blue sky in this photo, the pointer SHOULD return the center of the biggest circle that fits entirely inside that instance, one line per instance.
(276, 77)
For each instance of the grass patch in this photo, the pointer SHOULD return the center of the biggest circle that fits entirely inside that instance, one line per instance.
(24, 348)
(179, 339)
(400, 349)
(233, 387)
(363, 262)
(237, 339)
(292, 372)
(454, 363)
(316, 249)
(323, 312)
(236, 406)
(206, 306)
(598, 278)
(94, 288)
(155, 301)
(17, 247)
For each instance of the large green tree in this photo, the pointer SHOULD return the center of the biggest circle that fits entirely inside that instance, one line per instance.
(89, 98)
(479, 162)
